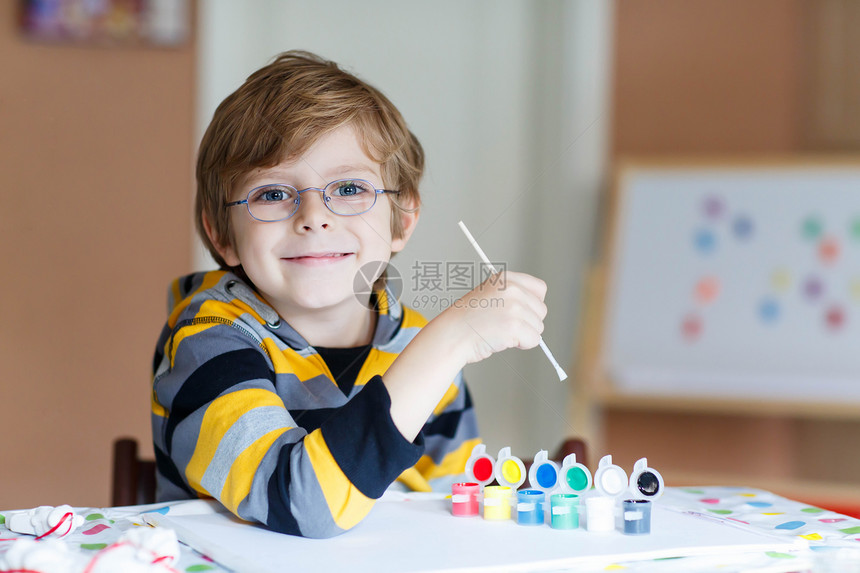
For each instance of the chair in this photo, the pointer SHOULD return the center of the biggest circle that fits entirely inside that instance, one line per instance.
(133, 478)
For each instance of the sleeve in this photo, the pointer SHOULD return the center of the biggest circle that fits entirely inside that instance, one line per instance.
(449, 436)
(221, 430)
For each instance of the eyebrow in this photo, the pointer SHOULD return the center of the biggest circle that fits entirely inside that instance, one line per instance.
(334, 173)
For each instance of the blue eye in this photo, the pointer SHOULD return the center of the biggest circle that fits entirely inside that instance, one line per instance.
(351, 188)
(270, 194)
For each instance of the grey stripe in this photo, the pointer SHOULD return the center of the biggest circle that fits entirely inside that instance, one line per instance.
(399, 342)
(245, 431)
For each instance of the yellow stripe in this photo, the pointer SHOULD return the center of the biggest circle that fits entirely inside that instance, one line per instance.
(157, 408)
(172, 344)
(413, 479)
(452, 464)
(346, 503)
(288, 361)
(412, 318)
(377, 362)
(446, 400)
(241, 476)
(220, 416)
(209, 280)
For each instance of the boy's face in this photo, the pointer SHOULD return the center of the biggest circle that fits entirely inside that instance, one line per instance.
(309, 262)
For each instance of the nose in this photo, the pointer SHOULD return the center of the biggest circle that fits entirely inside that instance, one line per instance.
(312, 214)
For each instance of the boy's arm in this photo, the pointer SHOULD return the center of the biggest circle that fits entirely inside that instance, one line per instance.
(505, 311)
(222, 430)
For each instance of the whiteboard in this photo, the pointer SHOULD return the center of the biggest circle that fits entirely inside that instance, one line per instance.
(736, 282)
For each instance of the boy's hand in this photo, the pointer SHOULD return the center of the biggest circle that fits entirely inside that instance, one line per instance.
(505, 311)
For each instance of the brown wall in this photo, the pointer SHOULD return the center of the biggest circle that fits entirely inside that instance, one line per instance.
(96, 152)
(727, 77)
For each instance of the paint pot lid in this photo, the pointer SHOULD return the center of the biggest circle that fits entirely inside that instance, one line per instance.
(480, 466)
(544, 473)
(645, 482)
(609, 479)
(510, 470)
(574, 477)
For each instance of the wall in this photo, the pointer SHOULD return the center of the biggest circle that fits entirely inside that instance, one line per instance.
(509, 99)
(697, 77)
(96, 151)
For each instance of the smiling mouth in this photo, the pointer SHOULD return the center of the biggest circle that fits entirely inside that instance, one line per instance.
(318, 257)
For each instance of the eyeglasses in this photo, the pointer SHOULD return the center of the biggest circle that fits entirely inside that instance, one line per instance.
(276, 202)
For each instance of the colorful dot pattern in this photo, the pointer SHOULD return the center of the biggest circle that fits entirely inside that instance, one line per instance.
(101, 530)
(757, 510)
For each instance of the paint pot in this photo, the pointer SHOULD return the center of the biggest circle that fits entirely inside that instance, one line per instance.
(637, 516)
(543, 474)
(574, 477)
(610, 479)
(530, 504)
(480, 467)
(564, 511)
(497, 502)
(510, 470)
(464, 499)
(600, 513)
(645, 482)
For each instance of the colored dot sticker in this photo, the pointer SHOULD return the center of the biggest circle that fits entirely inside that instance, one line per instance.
(759, 504)
(855, 228)
(828, 250)
(546, 476)
(93, 546)
(813, 288)
(780, 280)
(812, 510)
(96, 529)
(779, 555)
(710, 500)
(199, 567)
(576, 479)
(691, 328)
(851, 530)
(483, 469)
(511, 472)
(705, 241)
(791, 525)
(713, 207)
(834, 318)
(811, 228)
(855, 289)
(707, 290)
(742, 227)
(721, 511)
(769, 310)
(812, 536)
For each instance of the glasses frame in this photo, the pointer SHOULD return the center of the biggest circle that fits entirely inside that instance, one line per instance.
(298, 200)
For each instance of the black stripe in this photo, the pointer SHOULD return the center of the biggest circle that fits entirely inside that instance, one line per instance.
(210, 380)
(446, 423)
(311, 420)
(186, 285)
(280, 518)
(168, 469)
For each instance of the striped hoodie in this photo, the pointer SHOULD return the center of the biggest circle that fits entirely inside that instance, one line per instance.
(245, 411)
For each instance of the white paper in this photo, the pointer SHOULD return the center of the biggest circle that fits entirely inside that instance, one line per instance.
(424, 536)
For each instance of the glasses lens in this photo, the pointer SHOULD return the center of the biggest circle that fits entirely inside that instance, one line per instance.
(272, 202)
(350, 196)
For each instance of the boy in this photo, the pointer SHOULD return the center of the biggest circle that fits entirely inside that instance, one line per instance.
(276, 390)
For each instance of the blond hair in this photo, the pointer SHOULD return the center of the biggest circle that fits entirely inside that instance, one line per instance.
(279, 112)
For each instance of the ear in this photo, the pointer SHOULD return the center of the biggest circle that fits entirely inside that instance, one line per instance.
(408, 221)
(227, 251)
